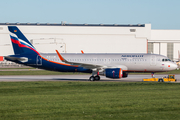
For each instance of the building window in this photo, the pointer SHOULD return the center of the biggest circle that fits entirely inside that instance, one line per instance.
(150, 47)
(132, 30)
(170, 50)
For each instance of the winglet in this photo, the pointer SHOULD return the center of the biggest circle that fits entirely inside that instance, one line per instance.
(64, 60)
(60, 57)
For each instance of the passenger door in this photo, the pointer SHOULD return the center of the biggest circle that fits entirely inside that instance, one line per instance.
(39, 60)
(153, 60)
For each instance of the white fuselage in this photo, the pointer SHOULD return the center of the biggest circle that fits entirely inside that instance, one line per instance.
(128, 62)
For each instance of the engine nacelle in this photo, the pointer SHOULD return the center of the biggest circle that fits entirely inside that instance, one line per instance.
(114, 73)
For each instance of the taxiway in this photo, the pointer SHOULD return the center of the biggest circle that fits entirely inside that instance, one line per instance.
(130, 78)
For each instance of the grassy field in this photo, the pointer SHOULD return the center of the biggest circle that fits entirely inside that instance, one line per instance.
(89, 100)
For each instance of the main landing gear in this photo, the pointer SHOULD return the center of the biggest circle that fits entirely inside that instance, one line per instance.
(95, 76)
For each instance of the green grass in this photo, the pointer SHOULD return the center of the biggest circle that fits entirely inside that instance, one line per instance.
(89, 100)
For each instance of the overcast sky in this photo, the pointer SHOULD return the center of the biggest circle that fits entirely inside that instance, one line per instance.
(161, 14)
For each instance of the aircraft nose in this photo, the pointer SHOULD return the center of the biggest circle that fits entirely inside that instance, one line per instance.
(173, 66)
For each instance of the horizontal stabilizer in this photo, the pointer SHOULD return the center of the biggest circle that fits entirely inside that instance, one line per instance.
(20, 59)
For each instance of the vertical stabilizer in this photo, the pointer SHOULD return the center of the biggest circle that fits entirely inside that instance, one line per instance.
(21, 44)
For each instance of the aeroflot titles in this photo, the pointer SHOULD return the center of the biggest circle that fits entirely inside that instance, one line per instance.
(132, 56)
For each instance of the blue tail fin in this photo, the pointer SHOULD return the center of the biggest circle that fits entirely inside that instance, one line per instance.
(20, 43)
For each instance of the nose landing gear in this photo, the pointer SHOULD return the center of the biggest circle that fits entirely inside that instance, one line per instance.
(152, 74)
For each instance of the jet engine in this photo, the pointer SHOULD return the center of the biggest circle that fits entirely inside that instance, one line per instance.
(115, 73)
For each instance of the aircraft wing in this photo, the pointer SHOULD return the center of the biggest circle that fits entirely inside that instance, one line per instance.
(85, 65)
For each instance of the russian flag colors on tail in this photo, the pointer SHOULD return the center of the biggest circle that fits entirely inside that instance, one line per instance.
(20, 43)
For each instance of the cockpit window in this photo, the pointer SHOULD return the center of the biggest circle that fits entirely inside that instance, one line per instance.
(166, 60)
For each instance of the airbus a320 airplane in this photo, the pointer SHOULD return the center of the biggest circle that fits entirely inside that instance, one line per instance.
(110, 65)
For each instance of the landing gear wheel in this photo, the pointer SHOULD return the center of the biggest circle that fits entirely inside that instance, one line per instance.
(97, 77)
(92, 78)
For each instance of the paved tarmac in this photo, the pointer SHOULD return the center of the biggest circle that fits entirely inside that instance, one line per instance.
(130, 78)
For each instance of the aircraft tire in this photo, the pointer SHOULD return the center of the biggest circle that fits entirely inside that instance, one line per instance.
(97, 78)
(92, 78)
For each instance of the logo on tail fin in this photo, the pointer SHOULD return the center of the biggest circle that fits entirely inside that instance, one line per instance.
(20, 43)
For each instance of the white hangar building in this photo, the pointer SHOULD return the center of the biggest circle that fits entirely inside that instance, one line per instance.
(94, 38)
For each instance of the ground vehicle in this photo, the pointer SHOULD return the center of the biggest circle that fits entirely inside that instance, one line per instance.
(169, 78)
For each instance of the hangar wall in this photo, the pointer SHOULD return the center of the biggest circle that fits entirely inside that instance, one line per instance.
(98, 38)
(165, 42)
(70, 38)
